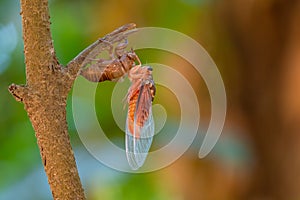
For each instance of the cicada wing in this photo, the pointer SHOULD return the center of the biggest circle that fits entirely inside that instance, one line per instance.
(137, 148)
(139, 141)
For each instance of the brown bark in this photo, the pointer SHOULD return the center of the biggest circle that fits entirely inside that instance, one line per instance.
(45, 96)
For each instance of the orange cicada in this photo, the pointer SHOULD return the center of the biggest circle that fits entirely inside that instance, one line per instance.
(139, 123)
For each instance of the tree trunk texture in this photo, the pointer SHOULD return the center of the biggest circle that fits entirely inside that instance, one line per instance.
(266, 36)
(44, 97)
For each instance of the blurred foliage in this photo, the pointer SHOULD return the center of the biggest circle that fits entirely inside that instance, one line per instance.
(75, 25)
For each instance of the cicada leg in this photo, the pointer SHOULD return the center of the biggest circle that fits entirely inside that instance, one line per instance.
(110, 48)
(120, 48)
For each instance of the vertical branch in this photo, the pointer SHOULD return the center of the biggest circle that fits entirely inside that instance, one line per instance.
(45, 95)
(44, 98)
(38, 47)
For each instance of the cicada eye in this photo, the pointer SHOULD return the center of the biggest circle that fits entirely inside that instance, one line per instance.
(150, 68)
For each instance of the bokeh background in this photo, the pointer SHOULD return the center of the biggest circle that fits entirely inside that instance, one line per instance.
(256, 46)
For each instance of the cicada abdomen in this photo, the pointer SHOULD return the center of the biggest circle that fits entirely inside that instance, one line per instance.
(139, 123)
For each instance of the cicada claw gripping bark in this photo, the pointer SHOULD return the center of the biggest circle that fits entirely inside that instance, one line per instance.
(139, 122)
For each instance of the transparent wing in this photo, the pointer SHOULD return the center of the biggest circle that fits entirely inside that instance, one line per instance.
(139, 142)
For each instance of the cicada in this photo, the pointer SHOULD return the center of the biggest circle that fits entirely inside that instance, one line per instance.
(139, 123)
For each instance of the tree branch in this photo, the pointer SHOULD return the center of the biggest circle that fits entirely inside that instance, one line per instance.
(18, 91)
(38, 47)
(44, 97)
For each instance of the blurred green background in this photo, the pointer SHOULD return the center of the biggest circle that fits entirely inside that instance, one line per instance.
(256, 46)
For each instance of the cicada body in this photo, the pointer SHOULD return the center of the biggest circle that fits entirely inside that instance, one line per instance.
(139, 123)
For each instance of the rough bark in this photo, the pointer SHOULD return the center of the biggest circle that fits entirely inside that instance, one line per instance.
(45, 96)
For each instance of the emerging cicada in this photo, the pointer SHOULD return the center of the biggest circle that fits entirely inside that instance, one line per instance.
(139, 123)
